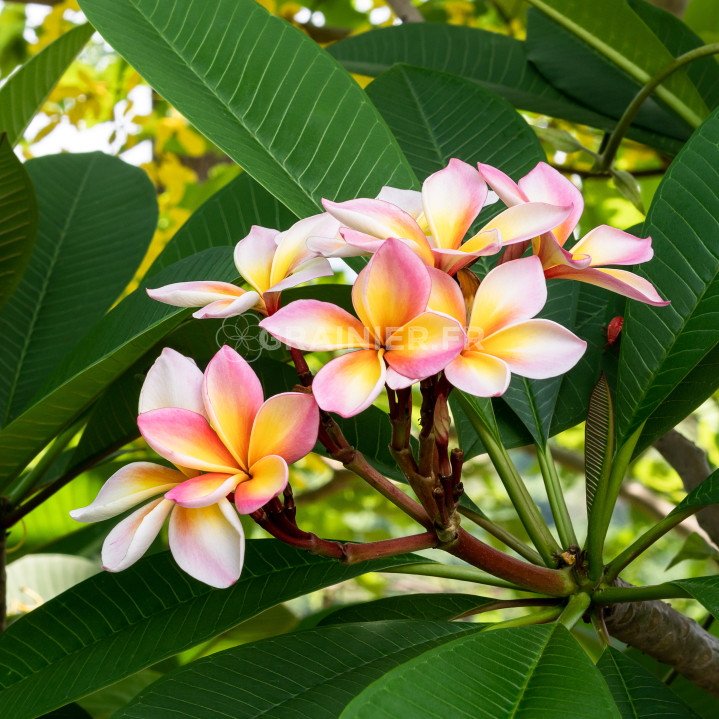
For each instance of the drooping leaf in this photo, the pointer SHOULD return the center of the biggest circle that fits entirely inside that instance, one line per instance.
(638, 694)
(598, 437)
(406, 606)
(661, 346)
(121, 623)
(18, 219)
(97, 215)
(695, 547)
(22, 96)
(704, 589)
(701, 496)
(313, 673)
(532, 672)
(241, 75)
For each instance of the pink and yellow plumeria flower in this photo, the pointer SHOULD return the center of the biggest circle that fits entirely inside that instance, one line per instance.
(502, 337)
(268, 260)
(433, 223)
(224, 440)
(587, 259)
(395, 338)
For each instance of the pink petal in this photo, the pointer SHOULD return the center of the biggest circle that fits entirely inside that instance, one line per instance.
(452, 199)
(392, 289)
(268, 478)
(286, 425)
(253, 257)
(503, 185)
(545, 184)
(479, 374)
(186, 439)
(509, 293)
(130, 485)
(446, 297)
(173, 381)
(408, 200)
(232, 396)
(536, 348)
(204, 490)
(316, 326)
(425, 345)
(552, 254)
(526, 221)
(395, 380)
(452, 261)
(229, 308)
(610, 246)
(349, 384)
(308, 270)
(337, 247)
(196, 294)
(208, 543)
(361, 242)
(132, 537)
(622, 282)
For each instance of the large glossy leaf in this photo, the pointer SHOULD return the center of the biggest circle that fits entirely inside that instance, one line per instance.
(704, 589)
(26, 90)
(702, 496)
(436, 116)
(243, 77)
(97, 215)
(113, 625)
(18, 219)
(496, 62)
(638, 694)
(407, 606)
(309, 674)
(529, 672)
(621, 36)
(662, 346)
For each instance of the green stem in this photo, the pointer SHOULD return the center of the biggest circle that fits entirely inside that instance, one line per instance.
(541, 617)
(574, 609)
(614, 595)
(451, 571)
(556, 497)
(615, 139)
(603, 506)
(502, 535)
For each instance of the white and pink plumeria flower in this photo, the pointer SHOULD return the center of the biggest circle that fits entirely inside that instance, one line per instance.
(434, 223)
(395, 340)
(268, 260)
(587, 260)
(502, 336)
(227, 444)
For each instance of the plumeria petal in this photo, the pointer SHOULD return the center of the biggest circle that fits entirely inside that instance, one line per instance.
(126, 488)
(286, 425)
(196, 294)
(452, 261)
(523, 222)
(503, 185)
(366, 243)
(552, 254)
(205, 489)
(425, 345)
(316, 326)
(622, 282)
(222, 309)
(392, 289)
(408, 200)
(336, 247)
(536, 348)
(232, 396)
(349, 384)
(308, 270)
(254, 254)
(545, 184)
(610, 246)
(452, 199)
(208, 543)
(132, 537)
(479, 374)
(395, 380)
(509, 293)
(185, 438)
(446, 296)
(173, 381)
(268, 478)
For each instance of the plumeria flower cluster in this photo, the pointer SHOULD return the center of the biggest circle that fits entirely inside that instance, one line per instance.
(413, 319)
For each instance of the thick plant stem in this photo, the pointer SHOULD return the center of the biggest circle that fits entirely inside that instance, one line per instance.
(575, 609)
(556, 497)
(626, 593)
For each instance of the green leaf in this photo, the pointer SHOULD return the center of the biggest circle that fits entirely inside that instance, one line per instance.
(704, 589)
(598, 438)
(22, 96)
(121, 623)
(637, 693)
(436, 116)
(242, 77)
(527, 672)
(97, 215)
(496, 62)
(661, 346)
(18, 219)
(104, 704)
(69, 711)
(310, 674)
(407, 606)
(695, 547)
(619, 35)
(701, 496)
